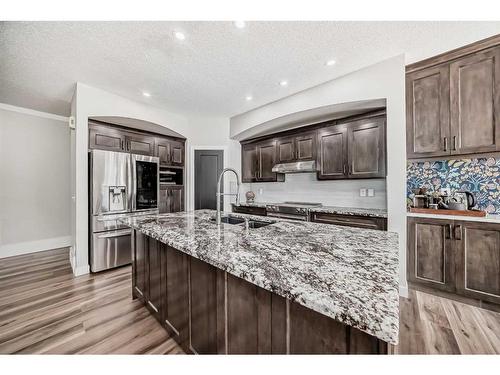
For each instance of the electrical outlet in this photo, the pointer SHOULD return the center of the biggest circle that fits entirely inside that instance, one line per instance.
(371, 192)
(362, 192)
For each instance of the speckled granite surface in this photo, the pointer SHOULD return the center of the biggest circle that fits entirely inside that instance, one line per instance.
(372, 212)
(348, 274)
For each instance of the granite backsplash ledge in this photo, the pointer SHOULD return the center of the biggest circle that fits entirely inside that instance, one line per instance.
(480, 176)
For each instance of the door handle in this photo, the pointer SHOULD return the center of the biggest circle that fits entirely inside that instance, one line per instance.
(445, 144)
(345, 169)
(458, 232)
(454, 143)
(447, 232)
(123, 144)
(350, 168)
(125, 232)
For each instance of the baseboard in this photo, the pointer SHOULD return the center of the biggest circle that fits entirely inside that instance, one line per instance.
(403, 291)
(83, 270)
(21, 248)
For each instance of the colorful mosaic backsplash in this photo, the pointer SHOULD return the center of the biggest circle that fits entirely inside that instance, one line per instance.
(479, 176)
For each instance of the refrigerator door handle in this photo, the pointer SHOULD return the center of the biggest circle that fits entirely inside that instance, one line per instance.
(132, 182)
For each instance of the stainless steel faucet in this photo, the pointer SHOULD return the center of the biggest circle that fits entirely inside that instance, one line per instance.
(219, 194)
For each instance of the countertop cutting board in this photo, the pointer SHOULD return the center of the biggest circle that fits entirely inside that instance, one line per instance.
(448, 212)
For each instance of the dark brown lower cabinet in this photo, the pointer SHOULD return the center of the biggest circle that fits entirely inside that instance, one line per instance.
(366, 222)
(208, 311)
(171, 199)
(459, 257)
(261, 211)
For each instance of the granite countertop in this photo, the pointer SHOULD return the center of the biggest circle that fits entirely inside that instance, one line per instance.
(348, 274)
(489, 218)
(372, 212)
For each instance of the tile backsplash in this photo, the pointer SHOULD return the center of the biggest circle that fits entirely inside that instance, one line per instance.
(479, 176)
(304, 187)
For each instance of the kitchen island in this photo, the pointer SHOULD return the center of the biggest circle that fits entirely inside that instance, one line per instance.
(287, 287)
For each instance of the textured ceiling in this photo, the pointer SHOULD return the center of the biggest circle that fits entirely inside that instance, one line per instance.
(214, 68)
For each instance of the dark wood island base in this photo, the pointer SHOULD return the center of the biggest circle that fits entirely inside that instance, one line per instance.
(209, 311)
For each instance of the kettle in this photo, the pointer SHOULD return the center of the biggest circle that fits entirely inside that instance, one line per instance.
(470, 198)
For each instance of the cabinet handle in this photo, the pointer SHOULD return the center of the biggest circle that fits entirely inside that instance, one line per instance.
(350, 168)
(445, 144)
(458, 232)
(447, 232)
(345, 169)
(454, 143)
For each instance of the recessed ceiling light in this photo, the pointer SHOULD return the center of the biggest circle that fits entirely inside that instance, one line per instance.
(180, 35)
(283, 83)
(248, 98)
(330, 63)
(146, 94)
(239, 24)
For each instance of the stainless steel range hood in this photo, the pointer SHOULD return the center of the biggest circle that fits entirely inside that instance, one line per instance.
(295, 167)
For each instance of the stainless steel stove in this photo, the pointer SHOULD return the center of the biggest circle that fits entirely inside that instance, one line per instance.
(291, 210)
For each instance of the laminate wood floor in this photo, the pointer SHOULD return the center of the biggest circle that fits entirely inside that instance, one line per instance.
(44, 309)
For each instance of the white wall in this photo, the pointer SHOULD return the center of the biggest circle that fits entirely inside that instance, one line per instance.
(385, 80)
(305, 187)
(90, 101)
(35, 181)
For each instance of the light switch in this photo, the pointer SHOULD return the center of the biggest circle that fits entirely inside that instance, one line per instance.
(362, 192)
(371, 192)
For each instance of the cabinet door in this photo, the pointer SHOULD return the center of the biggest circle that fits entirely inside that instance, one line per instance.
(478, 263)
(163, 201)
(286, 149)
(427, 112)
(139, 269)
(203, 304)
(176, 296)
(106, 138)
(366, 148)
(176, 198)
(332, 156)
(155, 289)
(248, 163)
(266, 159)
(140, 144)
(475, 102)
(306, 146)
(163, 150)
(431, 259)
(176, 153)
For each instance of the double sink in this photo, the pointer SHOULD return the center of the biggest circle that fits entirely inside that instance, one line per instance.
(252, 223)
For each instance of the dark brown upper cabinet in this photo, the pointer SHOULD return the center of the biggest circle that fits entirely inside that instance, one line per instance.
(427, 112)
(475, 102)
(248, 163)
(301, 147)
(106, 138)
(170, 152)
(266, 159)
(352, 150)
(366, 148)
(332, 153)
(257, 161)
(139, 144)
(286, 149)
(453, 108)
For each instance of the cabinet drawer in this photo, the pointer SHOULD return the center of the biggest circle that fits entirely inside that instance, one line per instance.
(250, 210)
(350, 221)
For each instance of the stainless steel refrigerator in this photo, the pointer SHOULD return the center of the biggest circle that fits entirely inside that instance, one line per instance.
(121, 184)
